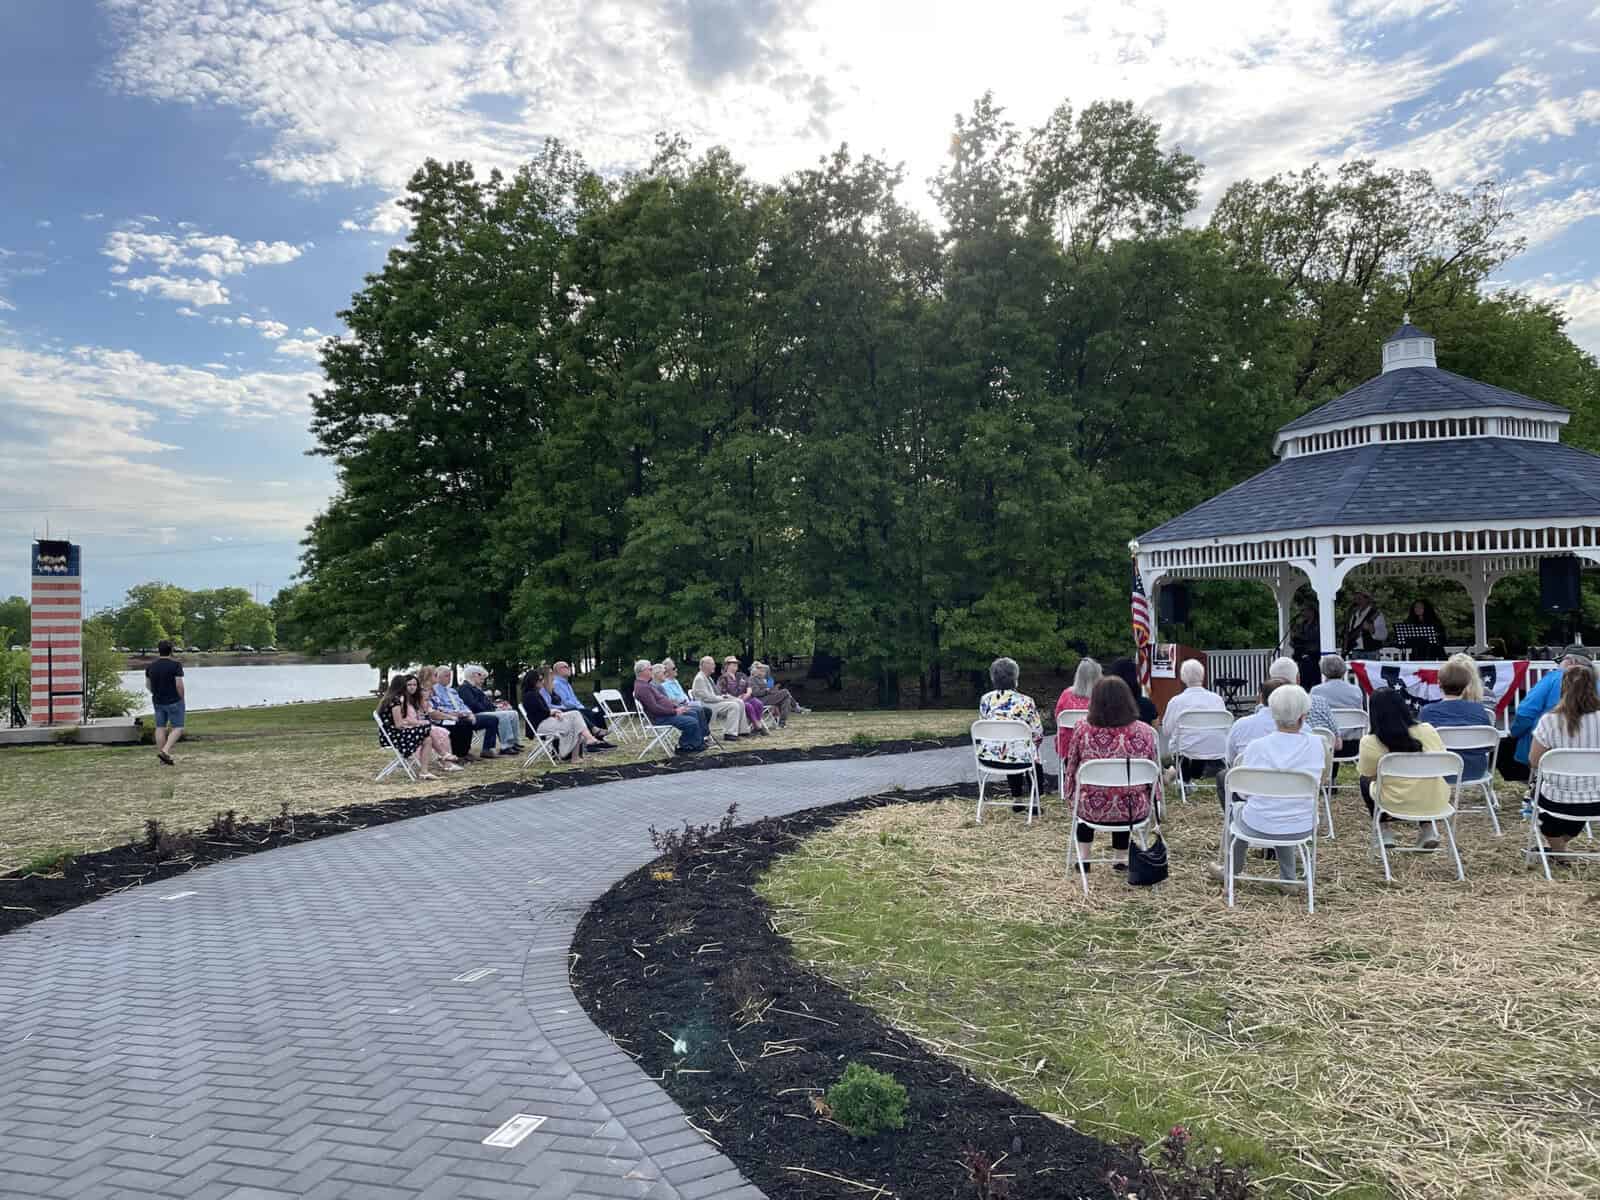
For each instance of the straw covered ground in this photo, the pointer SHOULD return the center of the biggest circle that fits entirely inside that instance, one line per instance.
(319, 757)
(1424, 1039)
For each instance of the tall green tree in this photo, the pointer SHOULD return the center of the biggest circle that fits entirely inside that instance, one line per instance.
(204, 614)
(141, 629)
(163, 601)
(446, 380)
(16, 624)
(249, 624)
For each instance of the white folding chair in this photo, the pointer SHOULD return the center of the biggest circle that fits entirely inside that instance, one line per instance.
(542, 742)
(399, 762)
(1066, 719)
(1462, 738)
(1014, 735)
(1272, 784)
(1203, 722)
(1325, 784)
(620, 719)
(1427, 764)
(1118, 773)
(1353, 724)
(659, 737)
(1567, 764)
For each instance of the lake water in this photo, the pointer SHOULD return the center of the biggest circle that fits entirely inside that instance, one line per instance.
(241, 687)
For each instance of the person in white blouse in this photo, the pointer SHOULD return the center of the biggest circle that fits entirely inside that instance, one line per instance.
(1287, 748)
(1258, 724)
(1203, 750)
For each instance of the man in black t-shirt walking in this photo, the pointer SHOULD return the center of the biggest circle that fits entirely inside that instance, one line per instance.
(164, 678)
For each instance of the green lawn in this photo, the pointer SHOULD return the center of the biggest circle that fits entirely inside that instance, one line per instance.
(310, 756)
(1429, 1039)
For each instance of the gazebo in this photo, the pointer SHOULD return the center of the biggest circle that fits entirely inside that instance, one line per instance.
(1418, 471)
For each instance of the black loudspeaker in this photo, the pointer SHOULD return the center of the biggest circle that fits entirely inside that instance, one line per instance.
(1175, 604)
(1558, 584)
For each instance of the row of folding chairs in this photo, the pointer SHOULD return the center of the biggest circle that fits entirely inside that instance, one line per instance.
(1444, 765)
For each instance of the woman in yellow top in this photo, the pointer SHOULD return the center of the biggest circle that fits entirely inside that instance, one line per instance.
(1393, 732)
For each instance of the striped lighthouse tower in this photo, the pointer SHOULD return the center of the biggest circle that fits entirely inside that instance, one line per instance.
(57, 691)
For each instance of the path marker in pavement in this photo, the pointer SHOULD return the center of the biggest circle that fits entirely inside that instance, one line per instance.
(513, 1131)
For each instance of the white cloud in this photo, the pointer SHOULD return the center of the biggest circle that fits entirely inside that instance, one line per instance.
(309, 349)
(217, 255)
(95, 216)
(199, 292)
(43, 224)
(1579, 298)
(115, 423)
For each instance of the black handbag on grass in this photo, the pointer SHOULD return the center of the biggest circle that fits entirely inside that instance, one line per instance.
(1146, 868)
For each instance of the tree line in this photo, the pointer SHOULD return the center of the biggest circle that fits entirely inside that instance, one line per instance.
(681, 409)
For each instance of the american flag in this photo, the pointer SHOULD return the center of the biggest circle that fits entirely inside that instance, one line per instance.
(1142, 638)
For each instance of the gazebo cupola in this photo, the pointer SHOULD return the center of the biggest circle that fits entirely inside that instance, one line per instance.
(1416, 471)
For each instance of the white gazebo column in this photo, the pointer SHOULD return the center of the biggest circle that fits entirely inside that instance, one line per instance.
(1283, 590)
(1479, 583)
(1326, 577)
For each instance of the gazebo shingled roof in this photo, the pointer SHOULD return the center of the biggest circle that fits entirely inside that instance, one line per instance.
(1417, 470)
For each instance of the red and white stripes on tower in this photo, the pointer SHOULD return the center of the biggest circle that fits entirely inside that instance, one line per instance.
(57, 675)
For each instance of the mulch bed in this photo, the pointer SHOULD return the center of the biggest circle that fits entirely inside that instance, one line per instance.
(674, 961)
(25, 898)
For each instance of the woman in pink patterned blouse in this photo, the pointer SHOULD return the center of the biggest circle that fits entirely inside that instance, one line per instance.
(1111, 730)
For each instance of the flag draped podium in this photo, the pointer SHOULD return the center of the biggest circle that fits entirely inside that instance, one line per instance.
(1143, 635)
(56, 670)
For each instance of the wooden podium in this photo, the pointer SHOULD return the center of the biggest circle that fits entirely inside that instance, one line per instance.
(1164, 681)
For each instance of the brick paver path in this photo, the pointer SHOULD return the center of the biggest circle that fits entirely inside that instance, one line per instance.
(352, 1017)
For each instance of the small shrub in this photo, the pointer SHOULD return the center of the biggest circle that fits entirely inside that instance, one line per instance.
(1173, 1177)
(986, 1185)
(163, 843)
(676, 844)
(65, 736)
(283, 822)
(746, 990)
(925, 735)
(868, 1102)
(48, 862)
(224, 825)
(863, 741)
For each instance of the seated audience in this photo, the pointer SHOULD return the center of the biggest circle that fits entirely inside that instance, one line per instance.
(566, 700)
(448, 699)
(1541, 698)
(1320, 715)
(1394, 732)
(735, 683)
(1258, 724)
(1474, 688)
(765, 689)
(1455, 680)
(1335, 690)
(1005, 703)
(571, 731)
(661, 675)
(1076, 696)
(406, 729)
(727, 713)
(1574, 724)
(1127, 670)
(1203, 750)
(458, 722)
(1287, 747)
(653, 703)
(1111, 730)
(479, 702)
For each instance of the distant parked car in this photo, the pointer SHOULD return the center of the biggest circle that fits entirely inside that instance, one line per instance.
(269, 649)
(247, 649)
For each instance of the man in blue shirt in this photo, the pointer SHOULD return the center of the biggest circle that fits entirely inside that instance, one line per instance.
(1541, 698)
(566, 700)
(447, 698)
(1456, 710)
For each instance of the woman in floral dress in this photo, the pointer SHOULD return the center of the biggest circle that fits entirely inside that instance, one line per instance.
(1111, 730)
(1005, 703)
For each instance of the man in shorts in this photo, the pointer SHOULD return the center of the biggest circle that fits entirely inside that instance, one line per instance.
(164, 678)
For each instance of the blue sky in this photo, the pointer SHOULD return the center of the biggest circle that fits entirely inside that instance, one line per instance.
(191, 189)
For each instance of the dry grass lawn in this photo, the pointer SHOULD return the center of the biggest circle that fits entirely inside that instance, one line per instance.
(312, 757)
(1429, 1039)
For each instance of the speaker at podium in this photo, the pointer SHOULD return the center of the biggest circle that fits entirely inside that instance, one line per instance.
(1164, 681)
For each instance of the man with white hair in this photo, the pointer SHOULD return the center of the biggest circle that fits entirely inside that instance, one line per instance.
(1203, 750)
(653, 702)
(1287, 748)
(1320, 714)
(475, 698)
(728, 713)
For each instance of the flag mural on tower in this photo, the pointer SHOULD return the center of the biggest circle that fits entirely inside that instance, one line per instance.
(1142, 633)
(57, 653)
